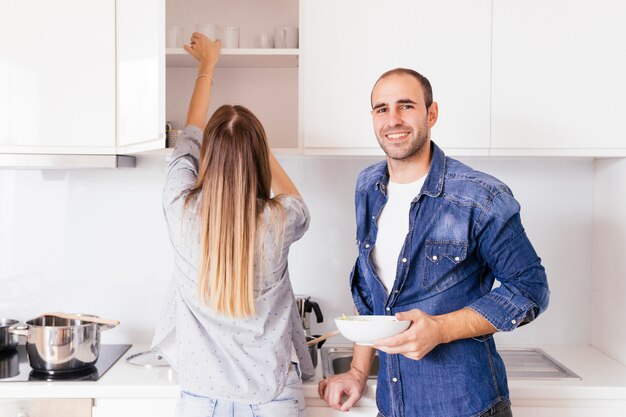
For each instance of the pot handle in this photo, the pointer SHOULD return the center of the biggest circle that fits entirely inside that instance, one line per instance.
(19, 329)
(103, 324)
(104, 327)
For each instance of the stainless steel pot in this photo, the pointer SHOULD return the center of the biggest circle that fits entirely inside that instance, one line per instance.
(57, 344)
(313, 348)
(8, 341)
(9, 364)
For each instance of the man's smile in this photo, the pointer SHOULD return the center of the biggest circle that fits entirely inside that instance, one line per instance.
(396, 136)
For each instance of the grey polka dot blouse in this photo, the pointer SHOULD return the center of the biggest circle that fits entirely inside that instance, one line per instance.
(244, 360)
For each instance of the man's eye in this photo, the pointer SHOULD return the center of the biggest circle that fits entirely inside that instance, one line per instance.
(381, 110)
(406, 106)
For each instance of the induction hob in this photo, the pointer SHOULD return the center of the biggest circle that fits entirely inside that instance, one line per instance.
(14, 366)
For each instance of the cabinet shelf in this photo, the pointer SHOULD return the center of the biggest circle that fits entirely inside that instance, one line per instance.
(239, 58)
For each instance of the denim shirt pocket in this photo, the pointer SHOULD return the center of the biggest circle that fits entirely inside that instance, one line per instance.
(442, 268)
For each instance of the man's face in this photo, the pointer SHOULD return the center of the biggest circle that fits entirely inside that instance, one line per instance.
(401, 121)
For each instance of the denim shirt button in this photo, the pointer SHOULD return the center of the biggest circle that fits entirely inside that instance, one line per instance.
(457, 259)
(367, 245)
(513, 321)
(403, 260)
(396, 291)
(388, 309)
(394, 379)
(434, 257)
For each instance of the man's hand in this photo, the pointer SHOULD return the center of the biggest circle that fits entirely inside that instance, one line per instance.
(422, 336)
(426, 331)
(334, 388)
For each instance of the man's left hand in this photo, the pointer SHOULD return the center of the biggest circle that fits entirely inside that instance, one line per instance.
(422, 336)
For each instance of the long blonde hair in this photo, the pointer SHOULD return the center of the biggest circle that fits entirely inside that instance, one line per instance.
(234, 185)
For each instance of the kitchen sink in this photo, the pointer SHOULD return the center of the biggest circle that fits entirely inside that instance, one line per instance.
(336, 360)
(522, 363)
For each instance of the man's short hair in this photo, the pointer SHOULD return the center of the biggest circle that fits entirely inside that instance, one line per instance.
(426, 87)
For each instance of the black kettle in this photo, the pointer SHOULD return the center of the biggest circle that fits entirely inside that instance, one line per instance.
(305, 307)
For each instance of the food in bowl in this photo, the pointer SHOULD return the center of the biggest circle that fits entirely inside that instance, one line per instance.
(365, 329)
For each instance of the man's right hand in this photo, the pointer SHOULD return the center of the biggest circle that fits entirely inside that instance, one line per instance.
(350, 384)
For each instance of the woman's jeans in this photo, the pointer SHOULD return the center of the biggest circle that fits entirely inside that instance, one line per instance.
(289, 403)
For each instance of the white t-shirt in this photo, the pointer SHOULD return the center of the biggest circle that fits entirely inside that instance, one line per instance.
(393, 226)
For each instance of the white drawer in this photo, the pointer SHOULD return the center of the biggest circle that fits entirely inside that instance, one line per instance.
(80, 407)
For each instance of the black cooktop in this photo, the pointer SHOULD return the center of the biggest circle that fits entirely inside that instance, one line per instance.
(14, 366)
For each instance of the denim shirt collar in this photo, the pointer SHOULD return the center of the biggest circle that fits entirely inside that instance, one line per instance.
(433, 185)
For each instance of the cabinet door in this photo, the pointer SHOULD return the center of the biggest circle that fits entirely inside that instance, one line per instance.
(140, 75)
(330, 412)
(347, 45)
(558, 76)
(134, 407)
(57, 76)
(568, 411)
(48, 407)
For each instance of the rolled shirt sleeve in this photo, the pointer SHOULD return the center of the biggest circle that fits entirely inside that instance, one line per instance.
(297, 217)
(507, 251)
(182, 171)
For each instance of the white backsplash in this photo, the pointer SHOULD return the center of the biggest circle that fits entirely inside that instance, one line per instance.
(94, 241)
(608, 288)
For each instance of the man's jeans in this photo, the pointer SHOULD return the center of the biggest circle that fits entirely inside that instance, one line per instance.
(501, 409)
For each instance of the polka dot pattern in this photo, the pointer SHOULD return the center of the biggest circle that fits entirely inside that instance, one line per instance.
(215, 356)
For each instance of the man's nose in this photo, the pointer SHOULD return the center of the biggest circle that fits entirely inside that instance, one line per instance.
(393, 118)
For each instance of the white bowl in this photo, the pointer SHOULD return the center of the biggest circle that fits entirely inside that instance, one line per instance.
(365, 329)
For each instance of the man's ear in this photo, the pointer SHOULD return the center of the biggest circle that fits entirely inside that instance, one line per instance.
(433, 114)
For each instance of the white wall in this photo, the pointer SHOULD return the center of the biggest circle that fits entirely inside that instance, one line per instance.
(94, 241)
(608, 291)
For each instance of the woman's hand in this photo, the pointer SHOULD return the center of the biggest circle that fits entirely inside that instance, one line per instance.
(204, 50)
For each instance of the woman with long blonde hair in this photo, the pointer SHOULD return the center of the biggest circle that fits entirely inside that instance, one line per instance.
(230, 327)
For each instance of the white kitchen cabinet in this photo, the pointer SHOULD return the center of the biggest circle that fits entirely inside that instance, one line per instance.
(347, 45)
(264, 80)
(167, 408)
(46, 407)
(564, 411)
(130, 407)
(140, 75)
(558, 77)
(57, 77)
(330, 412)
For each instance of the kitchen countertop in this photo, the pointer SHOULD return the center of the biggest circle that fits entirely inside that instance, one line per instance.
(602, 379)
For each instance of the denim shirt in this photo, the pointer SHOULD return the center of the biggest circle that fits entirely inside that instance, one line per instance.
(464, 233)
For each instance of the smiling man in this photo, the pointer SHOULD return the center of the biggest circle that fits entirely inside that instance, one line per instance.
(433, 235)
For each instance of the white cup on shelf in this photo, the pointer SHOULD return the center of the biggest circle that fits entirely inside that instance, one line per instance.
(265, 40)
(230, 37)
(210, 30)
(286, 37)
(173, 37)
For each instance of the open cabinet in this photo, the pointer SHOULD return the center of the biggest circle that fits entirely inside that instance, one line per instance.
(265, 80)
